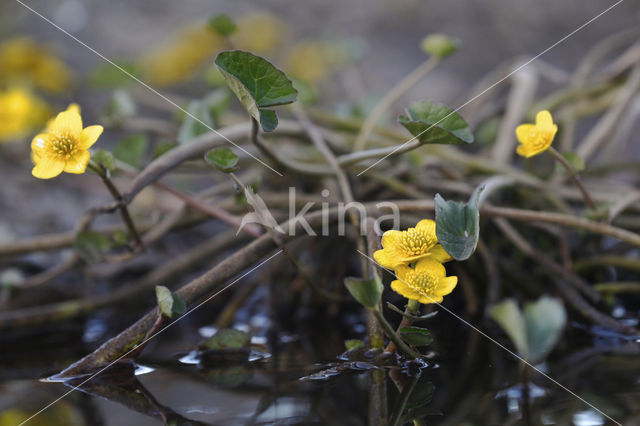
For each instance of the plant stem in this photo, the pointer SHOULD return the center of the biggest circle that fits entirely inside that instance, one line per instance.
(393, 336)
(392, 96)
(573, 174)
(124, 212)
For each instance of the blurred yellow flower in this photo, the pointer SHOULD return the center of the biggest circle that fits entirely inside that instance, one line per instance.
(20, 113)
(309, 61)
(536, 138)
(259, 32)
(64, 145)
(184, 54)
(22, 60)
(403, 247)
(426, 283)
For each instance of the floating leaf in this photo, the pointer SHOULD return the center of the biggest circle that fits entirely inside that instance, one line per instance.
(228, 338)
(223, 159)
(414, 318)
(92, 245)
(416, 336)
(366, 292)
(458, 225)
(257, 84)
(433, 123)
(439, 45)
(545, 319)
(222, 24)
(353, 344)
(170, 303)
(132, 149)
(105, 159)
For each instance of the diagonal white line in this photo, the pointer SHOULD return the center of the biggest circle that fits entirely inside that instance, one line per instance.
(151, 337)
(147, 86)
(499, 344)
(495, 84)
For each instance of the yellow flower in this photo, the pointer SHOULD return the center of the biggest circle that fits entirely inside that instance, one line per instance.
(536, 138)
(426, 283)
(64, 145)
(20, 113)
(403, 247)
(22, 59)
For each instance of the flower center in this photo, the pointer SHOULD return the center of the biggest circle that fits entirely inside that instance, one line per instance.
(538, 138)
(415, 243)
(423, 282)
(63, 146)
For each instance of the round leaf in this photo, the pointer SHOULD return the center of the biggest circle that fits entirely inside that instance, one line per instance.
(458, 225)
(545, 319)
(223, 159)
(508, 315)
(432, 123)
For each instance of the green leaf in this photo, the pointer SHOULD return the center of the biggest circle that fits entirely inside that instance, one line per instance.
(119, 238)
(353, 344)
(228, 338)
(306, 93)
(508, 316)
(545, 319)
(132, 149)
(223, 159)
(433, 123)
(574, 161)
(439, 45)
(91, 245)
(414, 318)
(105, 159)
(421, 395)
(121, 105)
(416, 336)
(222, 24)
(170, 303)
(165, 300)
(161, 148)
(257, 84)
(366, 292)
(534, 332)
(458, 225)
(110, 77)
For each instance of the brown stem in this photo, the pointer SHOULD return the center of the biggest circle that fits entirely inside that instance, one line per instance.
(573, 174)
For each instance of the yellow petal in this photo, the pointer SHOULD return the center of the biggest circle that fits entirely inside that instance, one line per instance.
(68, 122)
(39, 144)
(523, 131)
(427, 227)
(78, 162)
(387, 258)
(47, 167)
(544, 119)
(439, 254)
(390, 238)
(89, 136)
(403, 289)
(524, 151)
(446, 286)
(431, 267)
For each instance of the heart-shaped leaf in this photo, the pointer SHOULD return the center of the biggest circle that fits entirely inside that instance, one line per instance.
(257, 84)
(223, 159)
(458, 225)
(545, 319)
(432, 123)
(366, 292)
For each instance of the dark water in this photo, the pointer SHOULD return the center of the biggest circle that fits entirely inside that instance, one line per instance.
(293, 376)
